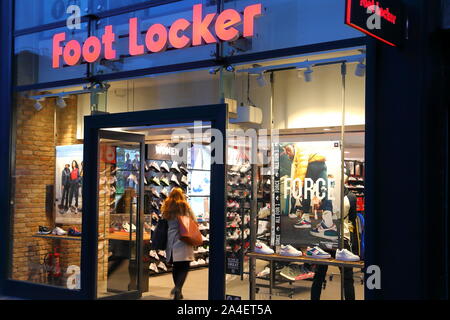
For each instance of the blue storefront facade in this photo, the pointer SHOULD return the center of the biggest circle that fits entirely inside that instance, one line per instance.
(155, 65)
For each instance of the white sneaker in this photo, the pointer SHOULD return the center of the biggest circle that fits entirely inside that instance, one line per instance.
(293, 215)
(264, 273)
(165, 167)
(153, 267)
(184, 180)
(262, 248)
(154, 254)
(162, 266)
(175, 180)
(193, 263)
(245, 168)
(164, 192)
(162, 253)
(155, 166)
(205, 238)
(201, 262)
(290, 251)
(346, 255)
(59, 232)
(264, 212)
(317, 253)
(203, 227)
(175, 167)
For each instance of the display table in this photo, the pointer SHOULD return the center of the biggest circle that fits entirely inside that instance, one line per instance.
(305, 259)
(55, 237)
(125, 236)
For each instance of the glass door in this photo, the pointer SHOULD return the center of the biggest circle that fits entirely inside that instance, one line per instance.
(120, 209)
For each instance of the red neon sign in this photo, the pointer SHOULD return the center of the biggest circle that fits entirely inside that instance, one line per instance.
(158, 37)
(391, 32)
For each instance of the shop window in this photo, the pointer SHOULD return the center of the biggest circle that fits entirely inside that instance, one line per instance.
(47, 185)
(301, 207)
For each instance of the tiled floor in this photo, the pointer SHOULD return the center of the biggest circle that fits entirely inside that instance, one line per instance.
(196, 288)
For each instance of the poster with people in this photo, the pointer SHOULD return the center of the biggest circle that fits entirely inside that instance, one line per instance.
(69, 184)
(310, 186)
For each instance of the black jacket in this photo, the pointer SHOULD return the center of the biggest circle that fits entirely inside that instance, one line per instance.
(65, 177)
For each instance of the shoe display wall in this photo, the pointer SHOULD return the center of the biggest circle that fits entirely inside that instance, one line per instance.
(163, 175)
(239, 188)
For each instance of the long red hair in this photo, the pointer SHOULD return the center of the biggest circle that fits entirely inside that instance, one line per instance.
(176, 205)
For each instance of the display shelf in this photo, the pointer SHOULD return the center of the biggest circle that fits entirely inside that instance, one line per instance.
(330, 262)
(55, 237)
(126, 236)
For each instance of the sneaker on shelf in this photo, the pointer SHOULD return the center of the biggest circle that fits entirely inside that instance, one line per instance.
(264, 273)
(174, 179)
(202, 227)
(201, 262)
(112, 180)
(153, 254)
(59, 232)
(317, 253)
(175, 167)
(153, 267)
(184, 180)
(154, 165)
(304, 274)
(264, 212)
(165, 181)
(322, 231)
(304, 222)
(74, 232)
(184, 169)
(162, 266)
(155, 193)
(162, 253)
(164, 193)
(155, 216)
(245, 168)
(165, 167)
(193, 264)
(289, 273)
(127, 228)
(44, 230)
(205, 238)
(155, 205)
(235, 168)
(293, 215)
(346, 255)
(155, 181)
(262, 248)
(290, 251)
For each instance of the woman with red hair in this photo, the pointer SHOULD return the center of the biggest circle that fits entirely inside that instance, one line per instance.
(179, 253)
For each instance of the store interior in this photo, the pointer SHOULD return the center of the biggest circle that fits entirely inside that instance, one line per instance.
(296, 107)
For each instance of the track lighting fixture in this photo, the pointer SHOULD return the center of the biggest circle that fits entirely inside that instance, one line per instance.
(262, 82)
(230, 68)
(61, 103)
(38, 106)
(360, 69)
(308, 74)
(214, 70)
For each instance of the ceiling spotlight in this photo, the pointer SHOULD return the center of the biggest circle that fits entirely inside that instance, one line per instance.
(61, 103)
(360, 69)
(230, 68)
(262, 82)
(38, 106)
(214, 70)
(308, 74)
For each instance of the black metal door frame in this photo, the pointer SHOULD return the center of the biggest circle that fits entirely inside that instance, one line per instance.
(217, 116)
(137, 138)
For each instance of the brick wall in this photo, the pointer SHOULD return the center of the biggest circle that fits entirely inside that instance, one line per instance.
(36, 139)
